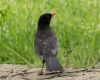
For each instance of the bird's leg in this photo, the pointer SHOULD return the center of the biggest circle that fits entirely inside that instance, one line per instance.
(41, 72)
(42, 66)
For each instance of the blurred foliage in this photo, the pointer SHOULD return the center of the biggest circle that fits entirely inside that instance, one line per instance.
(77, 25)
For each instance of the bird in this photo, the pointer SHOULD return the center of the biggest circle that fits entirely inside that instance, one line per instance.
(46, 44)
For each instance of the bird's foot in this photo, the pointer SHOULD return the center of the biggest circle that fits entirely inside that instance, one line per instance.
(40, 72)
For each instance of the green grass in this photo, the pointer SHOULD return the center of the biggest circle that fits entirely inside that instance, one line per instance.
(77, 26)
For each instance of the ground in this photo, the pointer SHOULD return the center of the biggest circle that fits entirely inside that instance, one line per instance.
(22, 72)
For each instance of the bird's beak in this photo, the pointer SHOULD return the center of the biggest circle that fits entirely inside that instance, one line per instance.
(53, 13)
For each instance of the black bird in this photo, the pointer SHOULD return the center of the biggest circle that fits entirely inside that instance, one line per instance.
(46, 44)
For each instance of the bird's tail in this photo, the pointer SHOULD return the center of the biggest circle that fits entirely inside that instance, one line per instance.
(53, 64)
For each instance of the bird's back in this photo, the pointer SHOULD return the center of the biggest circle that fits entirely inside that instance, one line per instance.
(46, 43)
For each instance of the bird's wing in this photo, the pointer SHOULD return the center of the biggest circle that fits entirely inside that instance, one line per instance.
(53, 44)
(47, 46)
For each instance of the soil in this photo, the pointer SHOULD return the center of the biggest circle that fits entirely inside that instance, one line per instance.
(22, 72)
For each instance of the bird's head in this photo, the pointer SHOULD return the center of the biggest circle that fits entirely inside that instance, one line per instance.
(44, 20)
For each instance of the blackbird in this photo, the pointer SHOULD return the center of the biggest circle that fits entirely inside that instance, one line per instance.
(46, 44)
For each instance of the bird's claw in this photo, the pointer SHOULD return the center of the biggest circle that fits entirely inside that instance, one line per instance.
(40, 72)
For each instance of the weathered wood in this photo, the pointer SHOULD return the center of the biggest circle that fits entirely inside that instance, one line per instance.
(22, 72)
